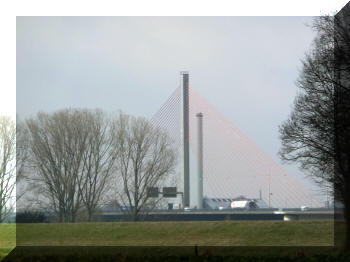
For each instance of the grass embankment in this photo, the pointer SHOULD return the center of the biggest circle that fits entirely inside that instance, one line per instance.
(7, 239)
(222, 233)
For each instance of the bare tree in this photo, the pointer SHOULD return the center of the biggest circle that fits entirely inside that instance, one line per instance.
(21, 149)
(308, 134)
(57, 146)
(98, 162)
(21, 159)
(71, 158)
(342, 113)
(7, 166)
(317, 133)
(145, 159)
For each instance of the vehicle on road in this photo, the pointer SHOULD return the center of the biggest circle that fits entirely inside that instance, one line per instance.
(279, 212)
(305, 208)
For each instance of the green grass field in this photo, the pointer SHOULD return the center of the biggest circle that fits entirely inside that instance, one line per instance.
(7, 239)
(162, 234)
(221, 233)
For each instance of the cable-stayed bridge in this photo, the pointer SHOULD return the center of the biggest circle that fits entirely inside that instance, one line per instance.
(232, 164)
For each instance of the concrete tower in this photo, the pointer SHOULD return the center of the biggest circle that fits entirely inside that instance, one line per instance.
(200, 160)
(184, 125)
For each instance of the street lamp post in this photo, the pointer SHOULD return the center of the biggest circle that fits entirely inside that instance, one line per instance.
(269, 190)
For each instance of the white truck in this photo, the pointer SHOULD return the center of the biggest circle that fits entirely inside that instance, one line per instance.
(304, 208)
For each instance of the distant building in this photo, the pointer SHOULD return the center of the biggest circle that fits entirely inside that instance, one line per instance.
(228, 203)
(215, 203)
(261, 203)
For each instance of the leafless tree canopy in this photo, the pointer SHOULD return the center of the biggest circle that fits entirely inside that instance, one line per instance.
(71, 160)
(7, 166)
(317, 133)
(98, 162)
(21, 150)
(342, 109)
(308, 135)
(73, 157)
(145, 160)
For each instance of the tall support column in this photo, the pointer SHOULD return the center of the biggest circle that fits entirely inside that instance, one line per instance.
(185, 161)
(200, 160)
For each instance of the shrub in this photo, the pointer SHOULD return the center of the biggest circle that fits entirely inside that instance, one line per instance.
(31, 217)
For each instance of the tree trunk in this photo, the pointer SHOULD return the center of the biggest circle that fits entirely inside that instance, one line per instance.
(134, 215)
(89, 215)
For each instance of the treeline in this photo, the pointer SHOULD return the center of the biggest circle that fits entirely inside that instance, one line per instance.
(72, 161)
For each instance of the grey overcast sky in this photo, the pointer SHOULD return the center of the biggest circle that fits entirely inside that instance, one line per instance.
(245, 66)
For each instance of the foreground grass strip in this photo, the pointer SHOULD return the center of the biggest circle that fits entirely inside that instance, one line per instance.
(7, 236)
(218, 233)
(4, 252)
(154, 254)
(103, 258)
(7, 239)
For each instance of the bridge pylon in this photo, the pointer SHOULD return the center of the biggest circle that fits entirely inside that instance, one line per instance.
(184, 125)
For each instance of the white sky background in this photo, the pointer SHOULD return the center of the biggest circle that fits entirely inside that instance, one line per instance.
(245, 66)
